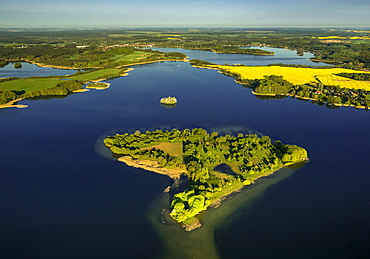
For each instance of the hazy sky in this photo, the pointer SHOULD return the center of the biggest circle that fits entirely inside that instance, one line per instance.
(122, 13)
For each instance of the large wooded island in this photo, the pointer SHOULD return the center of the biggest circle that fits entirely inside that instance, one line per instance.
(213, 165)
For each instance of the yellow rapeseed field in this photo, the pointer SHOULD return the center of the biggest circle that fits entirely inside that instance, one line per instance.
(344, 38)
(343, 82)
(298, 75)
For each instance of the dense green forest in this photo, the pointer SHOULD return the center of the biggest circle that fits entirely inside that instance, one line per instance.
(94, 47)
(70, 56)
(245, 157)
(198, 62)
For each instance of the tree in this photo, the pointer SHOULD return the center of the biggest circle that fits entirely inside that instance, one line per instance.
(17, 65)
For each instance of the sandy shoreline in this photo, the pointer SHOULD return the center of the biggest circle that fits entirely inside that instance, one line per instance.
(103, 79)
(12, 104)
(81, 90)
(213, 68)
(51, 66)
(107, 85)
(151, 166)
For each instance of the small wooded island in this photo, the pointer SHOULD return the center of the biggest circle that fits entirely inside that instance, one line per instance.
(168, 100)
(214, 165)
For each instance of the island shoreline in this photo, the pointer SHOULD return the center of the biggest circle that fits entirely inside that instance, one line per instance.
(12, 104)
(175, 174)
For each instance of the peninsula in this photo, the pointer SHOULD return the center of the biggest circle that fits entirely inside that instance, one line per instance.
(214, 166)
(333, 86)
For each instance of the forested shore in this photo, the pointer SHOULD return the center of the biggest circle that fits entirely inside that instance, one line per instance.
(214, 165)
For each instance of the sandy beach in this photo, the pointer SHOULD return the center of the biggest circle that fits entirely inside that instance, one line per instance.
(93, 86)
(12, 104)
(152, 166)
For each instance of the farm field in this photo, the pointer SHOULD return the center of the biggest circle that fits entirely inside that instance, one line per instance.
(298, 75)
(137, 55)
(102, 73)
(343, 82)
(29, 84)
(344, 38)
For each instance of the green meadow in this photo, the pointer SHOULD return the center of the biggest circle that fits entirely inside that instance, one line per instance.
(99, 74)
(137, 55)
(29, 84)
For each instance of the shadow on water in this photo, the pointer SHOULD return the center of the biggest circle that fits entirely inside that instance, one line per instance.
(200, 243)
(169, 106)
(225, 169)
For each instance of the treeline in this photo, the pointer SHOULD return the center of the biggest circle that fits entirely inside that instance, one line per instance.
(356, 76)
(63, 88)
(329, 94)
(198, 62)
(299, 65)
(174, 55)
(89, 57)
(237, 50)
(248, 155)
(7, 96)
(37, 52)
(47, 36)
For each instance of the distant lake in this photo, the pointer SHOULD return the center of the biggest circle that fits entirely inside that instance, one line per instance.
(281, 56)
(63, 195)
(32, 70)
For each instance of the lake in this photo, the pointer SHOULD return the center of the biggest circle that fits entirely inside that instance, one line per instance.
(62, 195)
(285, 56)
(32, 70)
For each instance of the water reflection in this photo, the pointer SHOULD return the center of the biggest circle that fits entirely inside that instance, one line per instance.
(169, 106)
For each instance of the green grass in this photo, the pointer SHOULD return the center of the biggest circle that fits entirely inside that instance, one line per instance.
(29, 84)
(131, 57)
(32, 84)
(226, 190)
(102, 73)
(74, 57)
(13, 44)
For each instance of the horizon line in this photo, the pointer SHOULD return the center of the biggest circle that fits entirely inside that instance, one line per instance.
(176, 26)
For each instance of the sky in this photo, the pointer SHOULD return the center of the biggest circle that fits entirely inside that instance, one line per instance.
(184, 13)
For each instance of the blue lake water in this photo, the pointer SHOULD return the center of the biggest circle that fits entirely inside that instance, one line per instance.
(62, 195)
(32, 70)
(281, 56)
